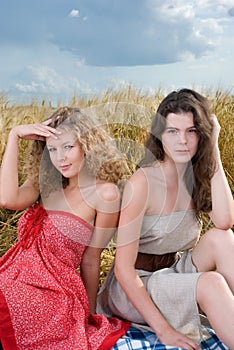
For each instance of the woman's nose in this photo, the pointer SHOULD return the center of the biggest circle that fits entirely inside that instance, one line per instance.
(61, 155)
(183, 138)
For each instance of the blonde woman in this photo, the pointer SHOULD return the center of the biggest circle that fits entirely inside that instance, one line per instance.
(73, 208)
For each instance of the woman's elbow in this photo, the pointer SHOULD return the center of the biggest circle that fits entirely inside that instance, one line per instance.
(232, 219)
(6, 198)
(224, 221)
(4, 203)
(9, 204)
(122, 271)
(118, 270)
(224, 224)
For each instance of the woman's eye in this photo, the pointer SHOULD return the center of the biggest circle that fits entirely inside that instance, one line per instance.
(172, 131)
(193, 131)
(68, 146)
(51, 149)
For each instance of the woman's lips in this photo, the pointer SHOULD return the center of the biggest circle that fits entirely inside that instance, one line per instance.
(182, 151)
(65, 167)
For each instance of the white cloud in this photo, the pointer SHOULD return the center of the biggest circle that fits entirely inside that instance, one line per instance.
(189, 29)
(28, 88)
(47, 80)
(74, 13)
(213, 8)
(167, 12)
(43, 80)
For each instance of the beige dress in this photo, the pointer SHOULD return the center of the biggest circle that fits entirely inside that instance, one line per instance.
(172, 289)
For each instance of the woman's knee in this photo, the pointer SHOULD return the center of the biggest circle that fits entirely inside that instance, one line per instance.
(217, 237)
(210, 287)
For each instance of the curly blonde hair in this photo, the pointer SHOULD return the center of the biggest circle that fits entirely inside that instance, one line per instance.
(102, 158)
(202, 166)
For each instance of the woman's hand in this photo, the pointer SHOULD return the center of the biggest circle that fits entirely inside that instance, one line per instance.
(37, 131)
(171, 337)
(216, 128)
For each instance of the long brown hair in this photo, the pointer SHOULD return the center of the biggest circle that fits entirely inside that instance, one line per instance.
(202, 166)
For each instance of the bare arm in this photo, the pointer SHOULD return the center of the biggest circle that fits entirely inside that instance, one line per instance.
(90, 268)
(11, 195)
(134, 205)
(105, 226)
(222, 213)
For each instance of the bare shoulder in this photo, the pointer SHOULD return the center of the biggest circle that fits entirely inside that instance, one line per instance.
(108, 191)
(140, 178)
(136, 191)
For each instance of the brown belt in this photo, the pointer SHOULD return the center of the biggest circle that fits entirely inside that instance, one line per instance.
(153, 262)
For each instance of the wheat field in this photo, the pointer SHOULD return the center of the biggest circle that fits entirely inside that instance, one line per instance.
(127, 115)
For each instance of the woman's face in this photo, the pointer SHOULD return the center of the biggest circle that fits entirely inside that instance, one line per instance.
(180, 138)
(66, 153)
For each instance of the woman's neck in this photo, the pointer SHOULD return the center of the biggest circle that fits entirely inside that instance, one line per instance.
(82, 180)
(172, 169)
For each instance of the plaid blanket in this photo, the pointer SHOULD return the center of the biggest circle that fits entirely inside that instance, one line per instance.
(138, 340)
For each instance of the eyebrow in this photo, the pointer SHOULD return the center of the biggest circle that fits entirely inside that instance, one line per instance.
(62, 144)
(173, 127)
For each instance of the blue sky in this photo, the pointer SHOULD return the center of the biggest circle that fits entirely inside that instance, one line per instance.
(53, 49)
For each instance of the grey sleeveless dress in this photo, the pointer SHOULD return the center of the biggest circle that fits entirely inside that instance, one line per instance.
(172, 289)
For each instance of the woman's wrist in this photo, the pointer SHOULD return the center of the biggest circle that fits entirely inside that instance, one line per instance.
(13, 134)
(216, 153)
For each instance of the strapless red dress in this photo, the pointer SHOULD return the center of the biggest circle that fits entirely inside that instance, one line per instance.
(43, 302)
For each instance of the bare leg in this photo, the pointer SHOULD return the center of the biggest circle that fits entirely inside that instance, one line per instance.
(217, 301)
(215, 252)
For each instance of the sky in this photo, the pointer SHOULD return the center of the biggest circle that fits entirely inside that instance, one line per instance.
(55, 49)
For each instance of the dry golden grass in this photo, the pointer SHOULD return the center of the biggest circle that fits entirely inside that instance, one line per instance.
(127, 114)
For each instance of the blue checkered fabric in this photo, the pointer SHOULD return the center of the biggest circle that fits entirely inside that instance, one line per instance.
(138, 340)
